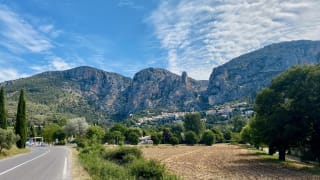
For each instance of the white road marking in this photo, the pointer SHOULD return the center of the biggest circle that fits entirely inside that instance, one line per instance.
(65, 168)
(4, 172)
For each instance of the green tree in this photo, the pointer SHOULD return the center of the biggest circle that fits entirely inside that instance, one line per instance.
(132, 135)
(192, 122)
(32, 131)
(49, 132)
(3, 114)
(190, 138)
(282, 111)
(156, 138)
(7, 139)
(119, 127)
(208, 138)
(20, 126)
(238, 122)
(95, 133)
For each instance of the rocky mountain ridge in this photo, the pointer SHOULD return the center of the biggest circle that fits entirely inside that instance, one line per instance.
(101, 96)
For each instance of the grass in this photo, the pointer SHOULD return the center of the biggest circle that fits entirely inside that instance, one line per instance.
(297, 165)
(12, 152)
(120, 163)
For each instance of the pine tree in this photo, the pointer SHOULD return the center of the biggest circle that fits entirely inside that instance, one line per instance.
(20, 127)
(3, 118)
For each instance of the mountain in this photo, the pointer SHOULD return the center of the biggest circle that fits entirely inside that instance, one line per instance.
(82, 91)
(245, 75)
(99, 95)
(155, 88)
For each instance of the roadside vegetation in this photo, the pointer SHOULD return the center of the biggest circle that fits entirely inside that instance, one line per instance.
(119, 162)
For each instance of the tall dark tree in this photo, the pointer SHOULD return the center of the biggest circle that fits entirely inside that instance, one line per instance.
(20, 126)
(283, 118)
(3, 115)
(192, 122)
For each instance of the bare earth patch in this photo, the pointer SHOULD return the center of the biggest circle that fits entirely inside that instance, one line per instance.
(220, 161)
(78, 171)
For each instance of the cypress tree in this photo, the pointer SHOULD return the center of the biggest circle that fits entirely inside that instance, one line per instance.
(3, 118)
(20, 127)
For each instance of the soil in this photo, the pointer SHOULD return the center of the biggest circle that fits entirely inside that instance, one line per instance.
(221, 161)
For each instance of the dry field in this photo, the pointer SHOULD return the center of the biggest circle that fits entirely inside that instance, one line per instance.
(221, 161)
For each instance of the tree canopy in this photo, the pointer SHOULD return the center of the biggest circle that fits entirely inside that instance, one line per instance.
(288, 112)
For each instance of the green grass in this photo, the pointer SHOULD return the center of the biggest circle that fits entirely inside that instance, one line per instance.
(300, 166)
(12, 152)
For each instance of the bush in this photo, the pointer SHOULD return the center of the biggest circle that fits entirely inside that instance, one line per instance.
(143, 169)
(155, 138)
(208, 138)
(7, 139)
(123, 155)
(99, 168)
(174, 140)
(191, 138)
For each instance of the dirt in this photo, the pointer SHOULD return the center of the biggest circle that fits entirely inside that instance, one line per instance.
(78, 171)
(221, 161)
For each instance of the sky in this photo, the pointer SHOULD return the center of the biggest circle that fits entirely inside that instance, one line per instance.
(126, 36)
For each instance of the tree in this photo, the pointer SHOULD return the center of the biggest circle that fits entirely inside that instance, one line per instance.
(191, 138)
(156, 138)
(132, 135)
(192, 122)
(238, 122)
(7, 139)
(76, 126)
(208, 138)
(49, 132)
(32, 131)
(283, 116)
(20, 126)
(3, 114)
(95, 133)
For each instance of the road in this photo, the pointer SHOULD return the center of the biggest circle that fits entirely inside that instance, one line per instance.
(43, 163)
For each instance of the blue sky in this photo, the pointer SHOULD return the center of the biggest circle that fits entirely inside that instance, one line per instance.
(126, 36)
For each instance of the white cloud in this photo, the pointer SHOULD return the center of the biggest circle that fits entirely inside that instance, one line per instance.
(18, 35)
(59, 64)
(10, 74)
(199, 35)
(56, 64)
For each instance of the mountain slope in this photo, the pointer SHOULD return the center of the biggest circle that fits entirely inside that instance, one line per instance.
(245, 75)
(82, 91)
(155, 88)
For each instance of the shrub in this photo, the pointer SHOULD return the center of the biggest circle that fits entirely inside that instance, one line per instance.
(208, 138)
(143, 169)
(191, 138)
(99, 168)
(155, 138)
(7, 139)
(174, 140)
(123, 155)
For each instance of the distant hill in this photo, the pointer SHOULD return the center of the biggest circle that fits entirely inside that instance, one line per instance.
(100, 96)
(245, 75)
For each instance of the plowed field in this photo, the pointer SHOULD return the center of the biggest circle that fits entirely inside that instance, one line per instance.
(221, 161)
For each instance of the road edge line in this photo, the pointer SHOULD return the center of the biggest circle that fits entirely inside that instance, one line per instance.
(6, 171)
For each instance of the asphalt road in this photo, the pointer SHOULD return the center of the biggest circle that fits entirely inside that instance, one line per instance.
(43, 163)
